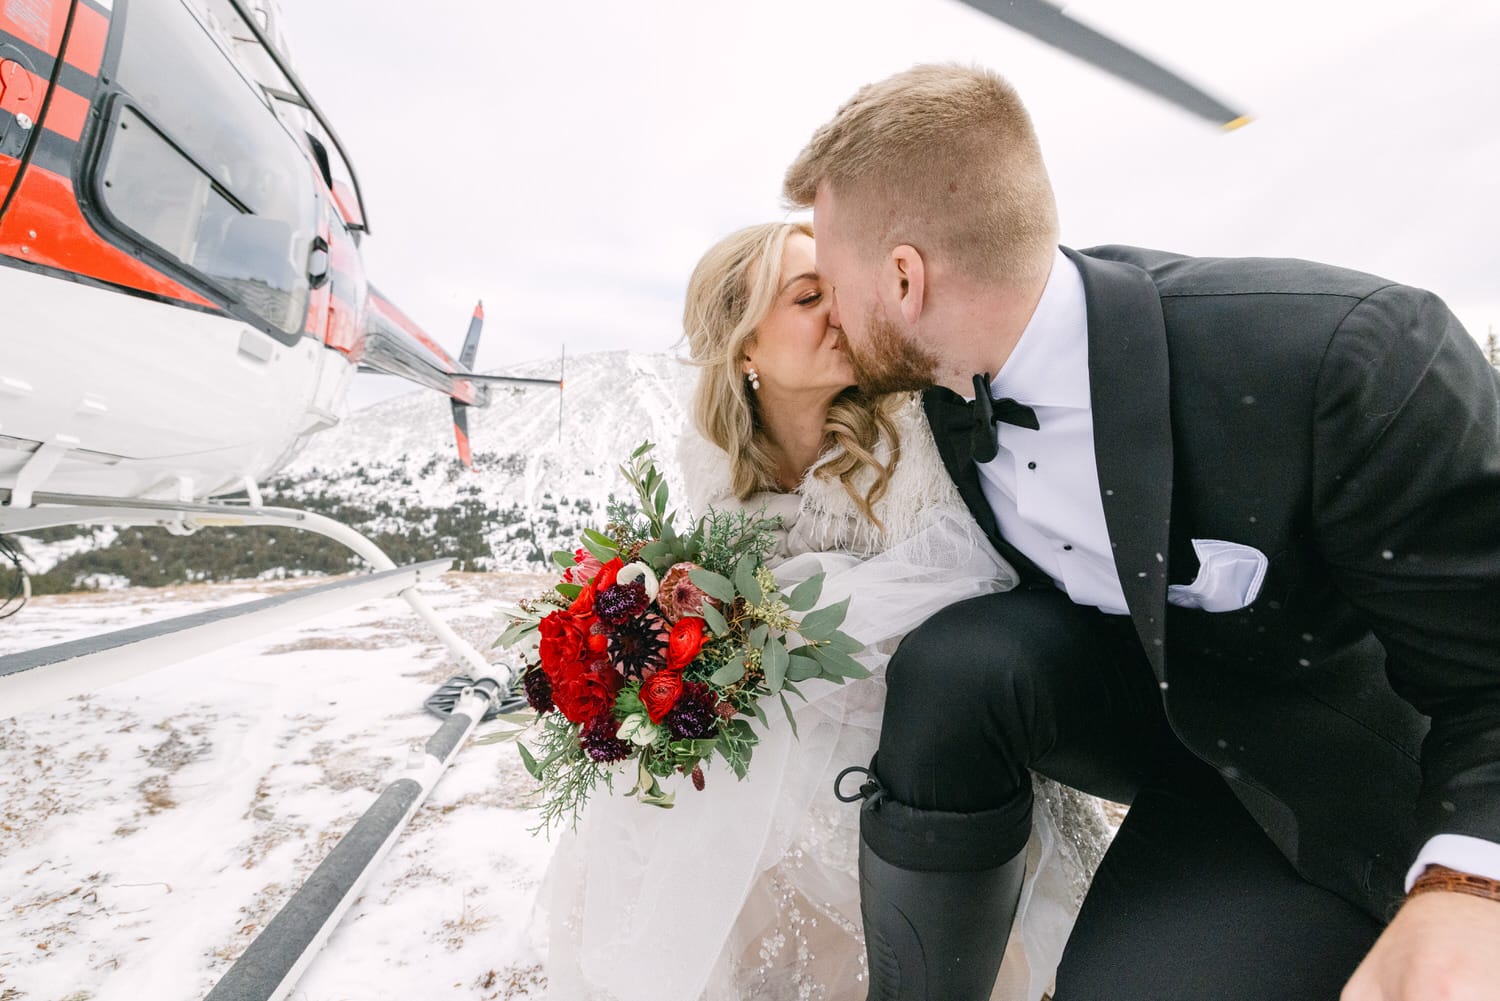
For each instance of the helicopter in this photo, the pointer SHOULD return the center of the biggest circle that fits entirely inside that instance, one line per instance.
(182, 297)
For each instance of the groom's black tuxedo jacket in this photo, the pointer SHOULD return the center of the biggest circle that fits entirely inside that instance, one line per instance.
(1348, 428)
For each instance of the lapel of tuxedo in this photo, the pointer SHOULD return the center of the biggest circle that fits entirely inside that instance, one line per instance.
(954, 443)
(1131, 396)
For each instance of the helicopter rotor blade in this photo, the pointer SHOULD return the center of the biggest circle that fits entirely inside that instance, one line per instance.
(1048, 23)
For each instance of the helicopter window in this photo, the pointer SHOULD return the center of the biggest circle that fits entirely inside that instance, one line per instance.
(198, 164)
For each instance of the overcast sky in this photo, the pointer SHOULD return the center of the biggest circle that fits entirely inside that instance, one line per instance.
(569, 160)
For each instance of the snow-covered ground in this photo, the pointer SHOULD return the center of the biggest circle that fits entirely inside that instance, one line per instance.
(149, 830)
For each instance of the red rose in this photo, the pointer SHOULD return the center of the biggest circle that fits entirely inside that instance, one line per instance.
(582, 695)
(660, 693)
(684, 643)
(562, 643)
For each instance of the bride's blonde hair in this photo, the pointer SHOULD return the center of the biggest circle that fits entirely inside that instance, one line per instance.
(731, 292)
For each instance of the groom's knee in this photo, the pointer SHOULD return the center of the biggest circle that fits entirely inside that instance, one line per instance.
(964, 666)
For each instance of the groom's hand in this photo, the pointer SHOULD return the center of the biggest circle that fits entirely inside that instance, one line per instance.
(1442, 946)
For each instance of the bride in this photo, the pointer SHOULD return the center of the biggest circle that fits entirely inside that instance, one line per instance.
(750, 889)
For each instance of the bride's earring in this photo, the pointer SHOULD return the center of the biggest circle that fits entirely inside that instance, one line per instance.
(754, 378)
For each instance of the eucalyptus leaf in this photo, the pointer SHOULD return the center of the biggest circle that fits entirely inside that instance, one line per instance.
(786, 707)
(712, 584)
(760, 713)
(840, 663)
(529, 761)
(758, 635)
(570, 591)
(843, 641)
(774, 661)
(714, 619)
(822, 623)
(564, 559)
(654, 553)
(805, 595)
(744, 579)
(728, 674)
(802, 668)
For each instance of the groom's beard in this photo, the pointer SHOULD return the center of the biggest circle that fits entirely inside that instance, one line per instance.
(888, 361)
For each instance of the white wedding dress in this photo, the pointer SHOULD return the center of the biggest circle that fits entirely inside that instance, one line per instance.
(750, 889)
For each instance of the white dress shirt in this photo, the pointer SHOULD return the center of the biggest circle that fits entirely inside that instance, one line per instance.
(1043, 486)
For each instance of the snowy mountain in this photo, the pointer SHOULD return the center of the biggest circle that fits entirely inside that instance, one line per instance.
(544, 467)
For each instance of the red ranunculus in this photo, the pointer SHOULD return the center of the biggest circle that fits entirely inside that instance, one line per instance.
(584, 694)
(660, 693)
(607, 573)
(583, 605)
(684, 643)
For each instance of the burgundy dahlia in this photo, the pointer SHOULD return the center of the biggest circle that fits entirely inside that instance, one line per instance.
(599, 740)
(638, 646)
(619, 603)
(694, 716)
(538, 690)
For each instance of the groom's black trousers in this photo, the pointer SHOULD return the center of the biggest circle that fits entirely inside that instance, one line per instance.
(1192, 900)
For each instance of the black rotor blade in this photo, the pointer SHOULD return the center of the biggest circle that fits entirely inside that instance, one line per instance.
(1047, 23)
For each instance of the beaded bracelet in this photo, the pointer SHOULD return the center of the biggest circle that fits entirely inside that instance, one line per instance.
(1440, 877)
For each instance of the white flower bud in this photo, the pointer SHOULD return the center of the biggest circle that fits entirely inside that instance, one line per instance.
(640, 571)
(638, 730)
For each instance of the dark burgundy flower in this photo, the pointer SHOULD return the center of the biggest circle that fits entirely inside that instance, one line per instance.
(599, 742)
(693, 717)
(638, 646)
(619, 603)
(538, 690)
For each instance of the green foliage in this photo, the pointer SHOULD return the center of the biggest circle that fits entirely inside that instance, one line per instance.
(150, 557)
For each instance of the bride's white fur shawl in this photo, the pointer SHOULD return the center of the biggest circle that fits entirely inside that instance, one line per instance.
(821, 516)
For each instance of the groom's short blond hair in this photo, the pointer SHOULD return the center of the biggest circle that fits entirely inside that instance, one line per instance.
(941, 157)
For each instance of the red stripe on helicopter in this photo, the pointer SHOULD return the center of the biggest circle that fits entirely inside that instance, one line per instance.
(37, 23)
(86, 43)
(388, 309)
(45, 227)
(67, 114)
(463, 446)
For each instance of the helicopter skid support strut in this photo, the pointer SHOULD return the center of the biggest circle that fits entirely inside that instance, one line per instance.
(27, 680)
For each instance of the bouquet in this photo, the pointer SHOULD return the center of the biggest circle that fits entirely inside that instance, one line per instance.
(660, 647)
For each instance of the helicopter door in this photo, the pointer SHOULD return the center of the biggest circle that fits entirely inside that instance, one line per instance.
(31, 34)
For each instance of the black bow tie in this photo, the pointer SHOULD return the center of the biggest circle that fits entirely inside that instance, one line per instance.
(978, 418)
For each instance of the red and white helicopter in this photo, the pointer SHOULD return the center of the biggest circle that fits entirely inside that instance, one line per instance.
(182, 297)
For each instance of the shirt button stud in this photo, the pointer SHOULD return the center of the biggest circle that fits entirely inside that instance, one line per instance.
(1068, 547)
(1030, 465)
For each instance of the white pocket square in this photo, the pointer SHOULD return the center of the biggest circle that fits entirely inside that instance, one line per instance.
(1229, 577)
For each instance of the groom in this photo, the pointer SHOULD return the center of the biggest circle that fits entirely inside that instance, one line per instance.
(1255, 506)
